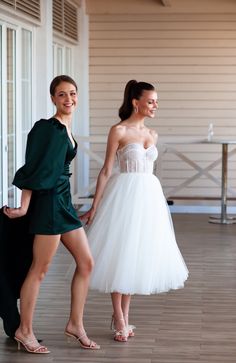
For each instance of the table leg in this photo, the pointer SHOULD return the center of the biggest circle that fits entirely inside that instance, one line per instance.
(223, 218)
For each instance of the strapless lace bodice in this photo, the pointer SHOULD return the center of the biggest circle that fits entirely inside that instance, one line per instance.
(134, 158)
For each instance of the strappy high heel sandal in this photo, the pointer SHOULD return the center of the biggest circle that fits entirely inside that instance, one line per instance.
(29, 346)
(130, 328)
(120, 335)
(92, 345)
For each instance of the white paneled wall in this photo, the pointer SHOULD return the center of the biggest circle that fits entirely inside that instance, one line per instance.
(190, 58)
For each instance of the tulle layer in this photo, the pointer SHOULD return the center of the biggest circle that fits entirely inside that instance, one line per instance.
(132, 239)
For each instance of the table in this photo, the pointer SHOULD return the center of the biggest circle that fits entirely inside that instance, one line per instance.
(168, 141)
(223, 218)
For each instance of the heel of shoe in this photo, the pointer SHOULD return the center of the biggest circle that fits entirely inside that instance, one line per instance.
(69, 338)
(112, 325)
(18, 345)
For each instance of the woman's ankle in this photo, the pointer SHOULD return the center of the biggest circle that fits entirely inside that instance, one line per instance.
(24, 332)
(74, 326)
(119, 322)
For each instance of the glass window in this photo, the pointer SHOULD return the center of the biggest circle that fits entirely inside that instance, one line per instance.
(68, 67)
(16, 114)
(62, 59)
(59, 69)
(62, 62)
(26, 86)
(11, 112)
(1, 141)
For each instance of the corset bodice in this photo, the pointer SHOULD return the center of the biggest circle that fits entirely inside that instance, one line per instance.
(134, 158)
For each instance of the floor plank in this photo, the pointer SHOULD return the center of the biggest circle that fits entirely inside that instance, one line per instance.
(194, 324)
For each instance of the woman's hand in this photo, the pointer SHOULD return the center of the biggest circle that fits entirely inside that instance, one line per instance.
(88, 216)
(22, 210)
(14, 212)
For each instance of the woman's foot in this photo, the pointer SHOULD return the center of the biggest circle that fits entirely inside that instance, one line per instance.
(120, 330)
(79, 334)
(30, 343)
(129, 327)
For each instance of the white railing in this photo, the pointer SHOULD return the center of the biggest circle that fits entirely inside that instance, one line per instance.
(165, 145)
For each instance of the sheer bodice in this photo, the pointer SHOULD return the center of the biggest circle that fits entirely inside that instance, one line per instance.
(134, 158)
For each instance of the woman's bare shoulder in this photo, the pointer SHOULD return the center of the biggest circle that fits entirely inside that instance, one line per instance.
(117, 130)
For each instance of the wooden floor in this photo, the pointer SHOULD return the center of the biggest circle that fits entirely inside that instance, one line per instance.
(194, 324)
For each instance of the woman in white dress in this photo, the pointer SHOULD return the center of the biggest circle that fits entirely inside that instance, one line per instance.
(130, 230)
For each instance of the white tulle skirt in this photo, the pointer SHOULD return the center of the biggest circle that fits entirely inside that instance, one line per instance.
(132, 239)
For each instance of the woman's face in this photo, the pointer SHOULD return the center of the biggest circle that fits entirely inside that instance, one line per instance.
(65, 98)
(147, 104)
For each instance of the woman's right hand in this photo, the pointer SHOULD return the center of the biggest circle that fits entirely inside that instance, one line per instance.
(14, 212)
(88, 216)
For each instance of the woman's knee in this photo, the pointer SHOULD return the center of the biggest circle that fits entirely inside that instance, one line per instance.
(39, 272)
(86, 267)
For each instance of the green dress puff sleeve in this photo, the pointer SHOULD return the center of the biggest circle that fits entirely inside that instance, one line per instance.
(45, 156)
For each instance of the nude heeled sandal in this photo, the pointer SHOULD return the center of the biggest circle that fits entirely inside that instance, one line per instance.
(130, 328)
(92, 345)
(120, 335)
(26, 345)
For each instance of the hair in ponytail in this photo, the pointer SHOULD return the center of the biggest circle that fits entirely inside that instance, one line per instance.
(133, 89)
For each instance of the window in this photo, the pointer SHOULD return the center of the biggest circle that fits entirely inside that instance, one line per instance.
(11, 111)
(1, 125)
(62, 62)
(26, 85)
(15, 104)
(62, 59)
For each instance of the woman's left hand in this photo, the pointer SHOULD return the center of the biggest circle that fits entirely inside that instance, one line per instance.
(88, 216)
(14, 212)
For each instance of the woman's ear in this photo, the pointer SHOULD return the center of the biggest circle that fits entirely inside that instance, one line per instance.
(133, 102)
(135, 105)
(52, 98)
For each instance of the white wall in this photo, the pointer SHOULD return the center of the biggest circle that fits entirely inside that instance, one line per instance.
(188, 51)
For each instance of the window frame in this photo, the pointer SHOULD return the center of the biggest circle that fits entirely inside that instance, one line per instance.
(18, 159)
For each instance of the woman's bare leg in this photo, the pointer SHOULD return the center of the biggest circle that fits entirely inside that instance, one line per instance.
(76, 242)
(125, 304)
(121, 333)
(116, 299)
(44, 248)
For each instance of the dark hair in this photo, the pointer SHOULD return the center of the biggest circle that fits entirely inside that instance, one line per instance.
(57, 80)
(133, 89)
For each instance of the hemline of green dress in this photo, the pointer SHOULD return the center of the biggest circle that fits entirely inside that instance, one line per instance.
(49, 152)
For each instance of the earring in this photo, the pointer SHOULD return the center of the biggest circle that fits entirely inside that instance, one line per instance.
(135, 109)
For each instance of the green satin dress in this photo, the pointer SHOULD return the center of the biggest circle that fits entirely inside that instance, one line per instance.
(49, 152)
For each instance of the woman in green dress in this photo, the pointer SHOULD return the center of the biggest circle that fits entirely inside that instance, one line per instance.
(46, 197)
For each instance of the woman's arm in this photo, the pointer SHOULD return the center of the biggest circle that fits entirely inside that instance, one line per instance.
(22, 210)
(46, 150)
(105, 172)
